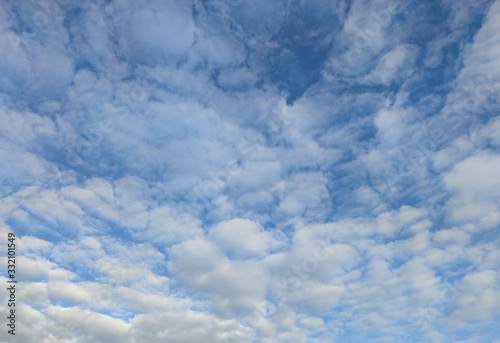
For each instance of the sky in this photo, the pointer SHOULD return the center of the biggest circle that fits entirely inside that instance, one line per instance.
(271, 171)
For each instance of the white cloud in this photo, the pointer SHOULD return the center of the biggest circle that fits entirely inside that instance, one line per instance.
(42, 269)
(187, 327)
(479, 299)
(238, 78)
(475, 186)
(305, 192)
(87, 325)
(366, 33)
(157, 32)
(35, 62)
(394, 66)
(244, 238)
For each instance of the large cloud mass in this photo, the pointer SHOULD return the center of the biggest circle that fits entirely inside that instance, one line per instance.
(251, 171)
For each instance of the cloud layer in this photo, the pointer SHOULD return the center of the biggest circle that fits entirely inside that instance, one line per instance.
(281, 171)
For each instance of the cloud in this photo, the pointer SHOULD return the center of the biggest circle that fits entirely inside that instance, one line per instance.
(251, 171)
(156, 33)
(244, 238)
(479, 299)
(35, 60)
(475, 185)
(87, 325)
(393, 66)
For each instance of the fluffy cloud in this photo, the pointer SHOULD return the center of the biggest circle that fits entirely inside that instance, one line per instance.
(475, 185)
(244, 238)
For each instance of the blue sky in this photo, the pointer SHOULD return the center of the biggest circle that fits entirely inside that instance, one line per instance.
(252, 171)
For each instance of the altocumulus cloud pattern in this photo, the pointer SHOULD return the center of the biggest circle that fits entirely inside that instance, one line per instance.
(251, 171)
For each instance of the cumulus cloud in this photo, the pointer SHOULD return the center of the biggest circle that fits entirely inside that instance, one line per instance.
(244, 238)
(475, 187)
